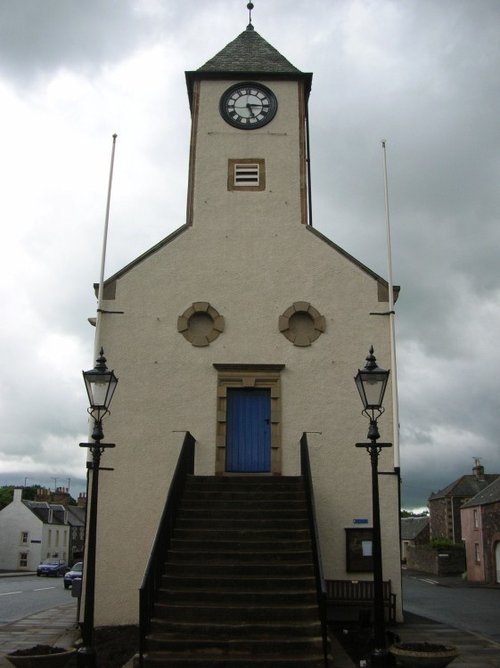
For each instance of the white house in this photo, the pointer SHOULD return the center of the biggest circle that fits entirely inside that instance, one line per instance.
(32, 531)
(245, 307)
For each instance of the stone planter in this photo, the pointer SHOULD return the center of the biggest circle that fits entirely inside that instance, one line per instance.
(423, 654)
(41, 656)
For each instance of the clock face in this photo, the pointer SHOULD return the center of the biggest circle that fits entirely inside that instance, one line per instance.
(248, 106)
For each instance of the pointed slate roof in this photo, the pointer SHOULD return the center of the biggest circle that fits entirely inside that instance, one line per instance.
(249, 52)
(248, 56)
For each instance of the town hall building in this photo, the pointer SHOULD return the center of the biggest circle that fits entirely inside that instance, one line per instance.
(244, 328)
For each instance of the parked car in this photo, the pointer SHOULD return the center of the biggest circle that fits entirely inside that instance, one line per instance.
(53, 567)
(75, 573)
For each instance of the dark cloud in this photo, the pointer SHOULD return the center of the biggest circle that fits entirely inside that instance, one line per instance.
(421, 75)
(39, 37)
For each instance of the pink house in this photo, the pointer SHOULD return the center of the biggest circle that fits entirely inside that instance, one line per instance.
(480, 519)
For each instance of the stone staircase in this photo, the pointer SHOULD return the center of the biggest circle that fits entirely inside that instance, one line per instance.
(239, 587)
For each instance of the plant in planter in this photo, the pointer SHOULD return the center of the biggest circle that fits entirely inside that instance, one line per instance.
(423, 654)
(40, 656)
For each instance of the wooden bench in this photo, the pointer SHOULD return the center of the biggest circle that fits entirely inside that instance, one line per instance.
(357, 593)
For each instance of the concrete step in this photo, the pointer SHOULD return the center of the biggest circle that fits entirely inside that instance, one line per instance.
(235, 492)
(235, 613)
(234, 583)
(241, 556)
(249, 644)
(240, 535)
(242, 512)
(239, 482)
(240, 524)
(224, 545)
(239, 587)
(241, 570)
(216, 659)
(177, 596)
(266, 629)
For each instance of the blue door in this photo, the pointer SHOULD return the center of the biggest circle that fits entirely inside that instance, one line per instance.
(248, 430)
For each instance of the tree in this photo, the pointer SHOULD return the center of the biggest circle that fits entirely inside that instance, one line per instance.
(6, 495)
(410, 513)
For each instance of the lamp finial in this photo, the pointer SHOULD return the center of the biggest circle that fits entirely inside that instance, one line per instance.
(250, 7)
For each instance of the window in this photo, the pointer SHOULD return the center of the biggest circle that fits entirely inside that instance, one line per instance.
(200, 324)
(359, 550)
(246, 174)
(477, 556)
(23, 560)
(476, 519)
(24, 537)
(301, 324)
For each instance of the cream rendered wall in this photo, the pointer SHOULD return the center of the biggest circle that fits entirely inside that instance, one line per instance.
(251, 258)
(55, 541)
(278, 142)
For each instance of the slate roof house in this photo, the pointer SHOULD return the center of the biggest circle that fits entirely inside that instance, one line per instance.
(414, 531)
(245, 328)
(481, 534)
(444, 506)
(32, 531)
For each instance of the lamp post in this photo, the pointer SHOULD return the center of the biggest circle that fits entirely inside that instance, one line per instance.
(371, 382)
(100, 384)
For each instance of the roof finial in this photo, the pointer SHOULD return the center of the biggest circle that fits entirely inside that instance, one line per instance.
(250, 7)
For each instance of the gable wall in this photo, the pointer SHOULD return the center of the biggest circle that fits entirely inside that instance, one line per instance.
(14, 519)
(250, 273)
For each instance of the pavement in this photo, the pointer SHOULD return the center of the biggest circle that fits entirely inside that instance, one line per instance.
(57, 627)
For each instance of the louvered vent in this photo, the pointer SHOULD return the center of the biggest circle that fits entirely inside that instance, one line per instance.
(246, 175)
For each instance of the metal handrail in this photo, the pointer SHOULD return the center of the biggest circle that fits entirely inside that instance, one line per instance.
(161, 545)
(305, 467)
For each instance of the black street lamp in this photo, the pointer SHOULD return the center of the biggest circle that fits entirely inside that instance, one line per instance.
(371, 383)
(100, 384)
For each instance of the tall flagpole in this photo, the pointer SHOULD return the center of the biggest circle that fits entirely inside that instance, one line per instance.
(394, 374)
(100, 293)
(86, 656)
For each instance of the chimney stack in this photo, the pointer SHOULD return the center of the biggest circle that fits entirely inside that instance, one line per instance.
(477, 469)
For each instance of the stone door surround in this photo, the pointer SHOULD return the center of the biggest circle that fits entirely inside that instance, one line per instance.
(248, 375)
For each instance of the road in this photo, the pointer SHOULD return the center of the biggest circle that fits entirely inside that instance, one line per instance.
(452, 602)
(24, 595)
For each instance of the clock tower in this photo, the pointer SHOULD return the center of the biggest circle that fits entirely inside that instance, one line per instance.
(244, 327)
(248, 142)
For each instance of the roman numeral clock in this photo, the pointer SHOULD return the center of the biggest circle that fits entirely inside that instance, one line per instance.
(248, 105)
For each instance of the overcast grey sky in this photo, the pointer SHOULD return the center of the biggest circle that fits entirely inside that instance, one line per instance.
(421, 74)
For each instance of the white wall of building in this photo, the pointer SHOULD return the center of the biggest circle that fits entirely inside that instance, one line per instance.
(16, 520)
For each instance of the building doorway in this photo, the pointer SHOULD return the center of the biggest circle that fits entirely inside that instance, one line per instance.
(248, 430)
(248, 437)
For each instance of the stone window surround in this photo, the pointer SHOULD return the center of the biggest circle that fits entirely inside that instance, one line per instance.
(200, 340)
(267, 376)
(318, 324)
